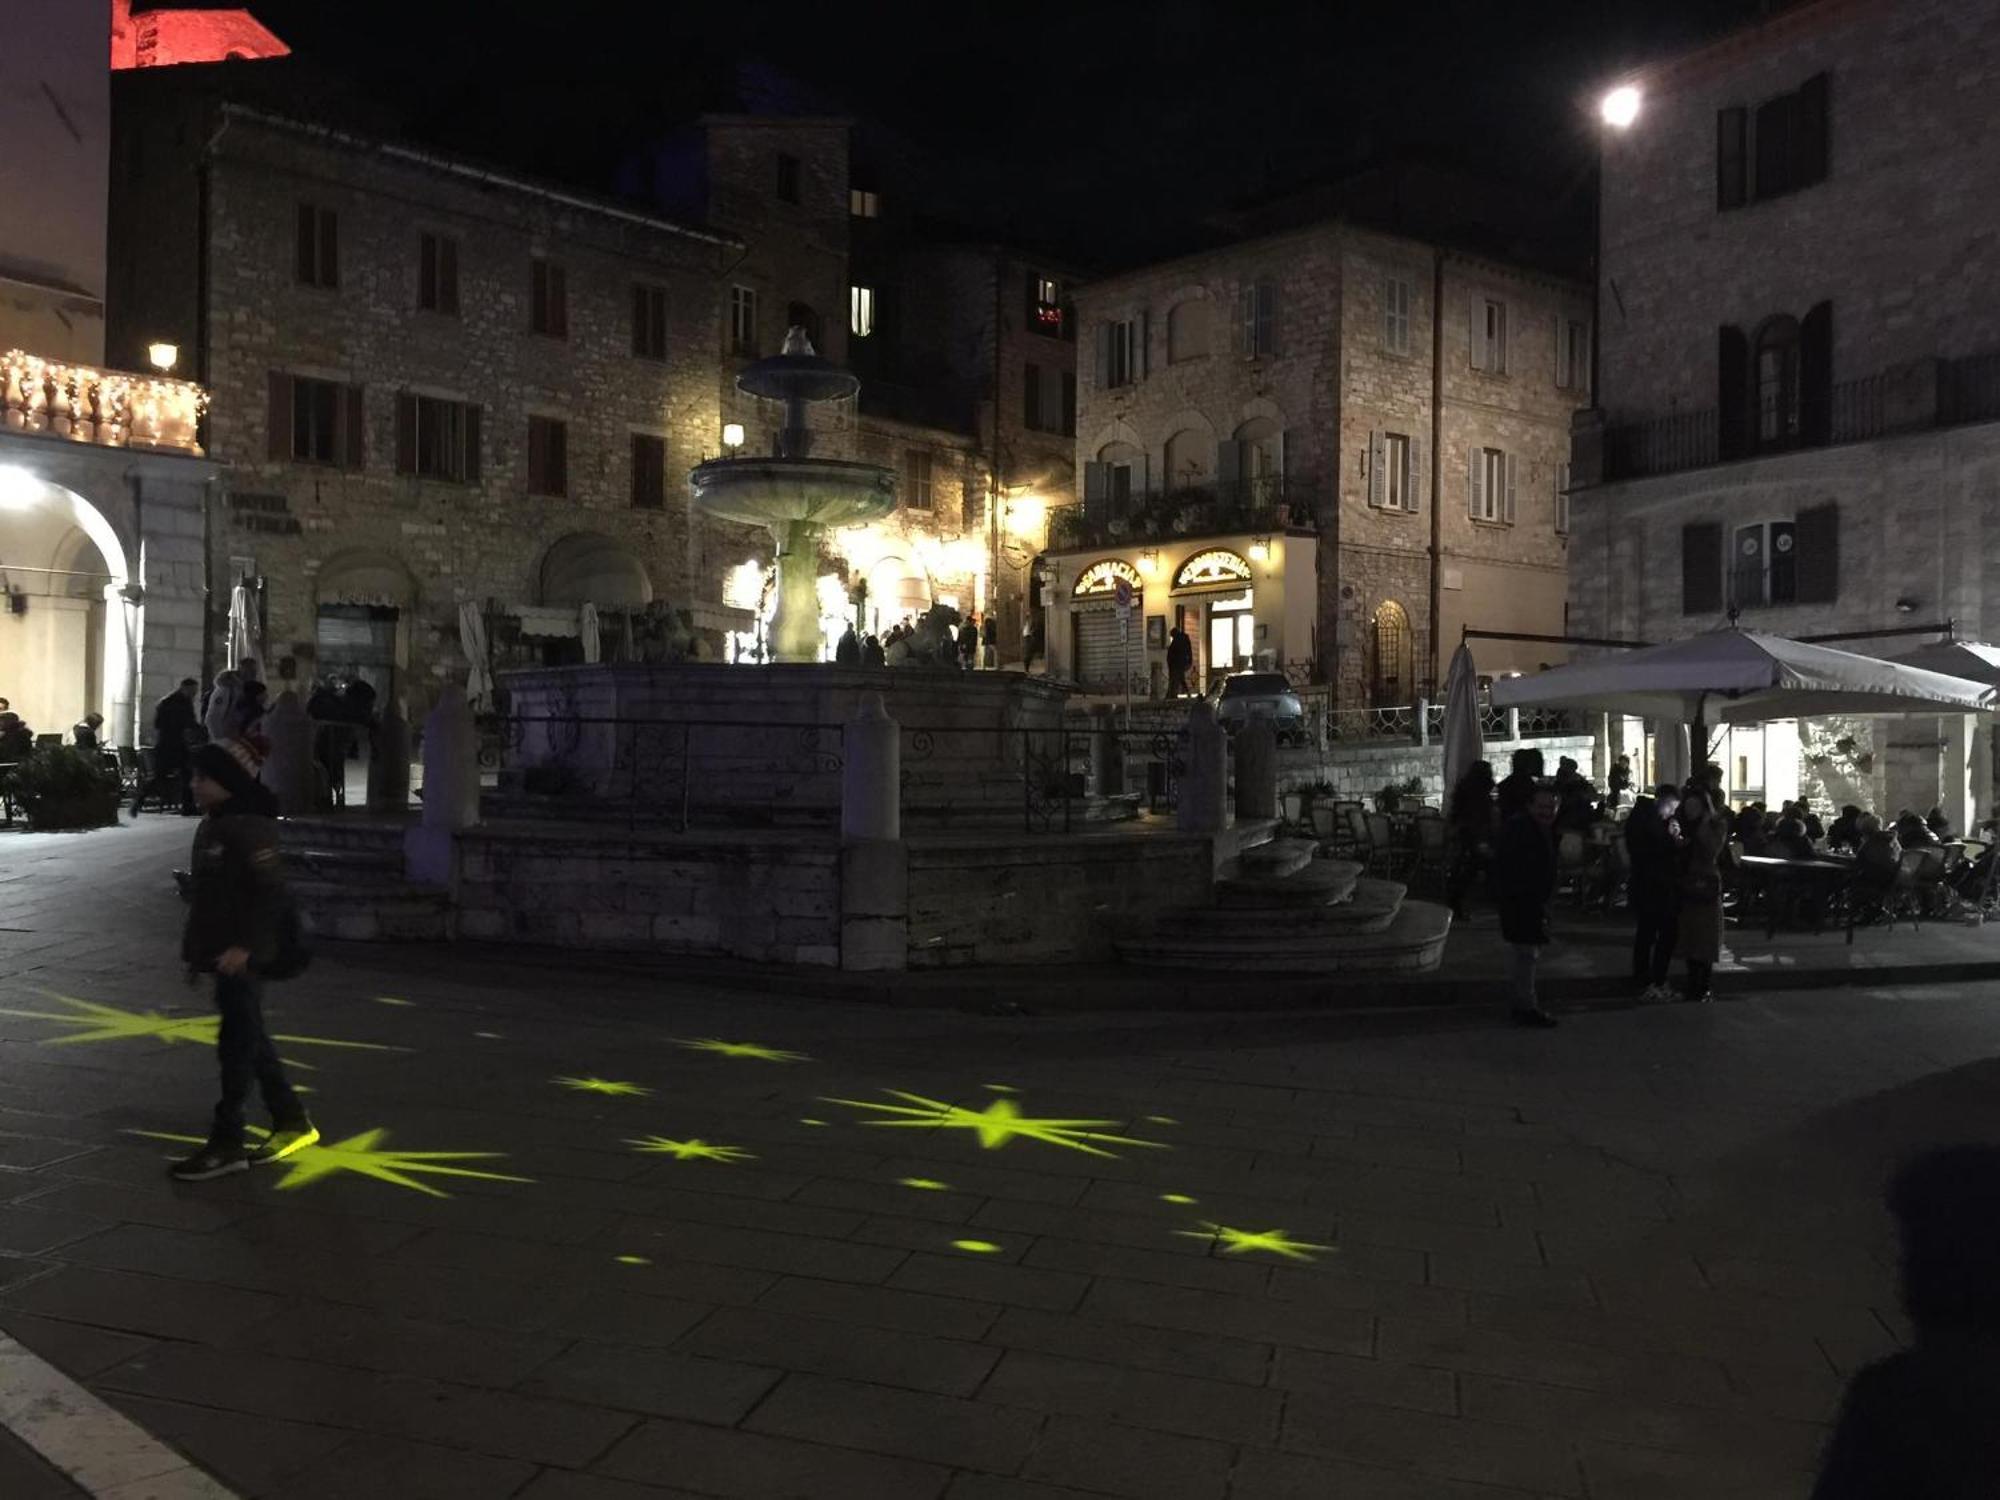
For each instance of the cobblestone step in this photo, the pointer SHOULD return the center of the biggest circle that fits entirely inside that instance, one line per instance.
(1315, 883)
(1411, 942)
(1372, 908)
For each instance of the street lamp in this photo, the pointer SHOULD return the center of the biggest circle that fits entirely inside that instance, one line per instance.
(1617, 109)
(732, 435)
(163, 356)
(1620, 107)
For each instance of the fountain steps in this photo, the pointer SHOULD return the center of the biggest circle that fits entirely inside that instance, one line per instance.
(347, 877)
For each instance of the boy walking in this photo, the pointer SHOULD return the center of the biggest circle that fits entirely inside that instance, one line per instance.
(237, 891)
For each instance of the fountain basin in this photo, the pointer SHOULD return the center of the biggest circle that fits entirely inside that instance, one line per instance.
(775, 492)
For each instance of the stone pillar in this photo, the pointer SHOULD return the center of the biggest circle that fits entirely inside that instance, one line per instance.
(1206, 777)
(1256, 771)
(451, 792)
(288, 769)
(874, 862)
(795, 634)
(1107, 752)
(389, 761)
(1959, 797)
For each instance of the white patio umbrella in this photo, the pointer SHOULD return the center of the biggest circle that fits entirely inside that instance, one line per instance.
(1462, 738)
(593, 638)
(478, 660)
(1975, 661)
(1742, 677)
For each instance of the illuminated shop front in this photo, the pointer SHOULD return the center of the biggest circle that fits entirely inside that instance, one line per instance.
(1245, 601)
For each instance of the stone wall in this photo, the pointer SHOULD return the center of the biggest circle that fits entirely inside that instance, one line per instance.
(1358, 772)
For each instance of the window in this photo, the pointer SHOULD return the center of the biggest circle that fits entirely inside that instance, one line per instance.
(788, 177)
(314, 421)
(649, 321)
(1031, 397)
(1068, 408)
(1701, 568)
(1187, 330)
(861, 311)
(437, 438)
(437, 274)
(742, 320)
(1260, 318)
(863, 203)
(1396, 315)
(1392, 471)
(1489, 335)
(548, 456)
(1776, 370)
(318, 261)
(1572, 354)
(917, 482)
(1048, 400)
(548, 302)
(649, 471)
(1491, 491)
(1778, 147)
(1764, 566)
(1121, 352)
(1045, 306)
(1562, 499)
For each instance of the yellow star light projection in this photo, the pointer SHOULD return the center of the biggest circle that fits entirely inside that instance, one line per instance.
(977, 1247)
(1175, 1198)
(393, 1000)
(997, 1124)
(693, 1149)
(1239, 1241)
(740, 1049)
(96, 1022)
(632, 1260)
(366, 1155)
(615, 1088)
(924, 1184)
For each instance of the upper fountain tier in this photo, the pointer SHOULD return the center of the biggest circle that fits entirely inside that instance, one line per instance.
(791, 485)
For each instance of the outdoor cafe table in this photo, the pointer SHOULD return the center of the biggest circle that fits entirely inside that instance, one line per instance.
(1777, 875)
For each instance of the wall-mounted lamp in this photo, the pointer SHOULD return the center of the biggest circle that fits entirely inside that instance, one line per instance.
(163, 357)
(1906, 606)
(1620, 107)
(732, 435)
(1260, 550)
(1149, 561)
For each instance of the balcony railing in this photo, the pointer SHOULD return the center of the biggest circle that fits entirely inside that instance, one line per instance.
(1908, 398)
(110, 408)
(1160, 516)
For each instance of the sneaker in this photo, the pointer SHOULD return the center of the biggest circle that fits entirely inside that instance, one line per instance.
(286, 1140)
(1656, 994)
(210, 1161)
(1537, 1018)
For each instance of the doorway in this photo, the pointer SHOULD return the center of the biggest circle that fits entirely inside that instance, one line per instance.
(1232, 635)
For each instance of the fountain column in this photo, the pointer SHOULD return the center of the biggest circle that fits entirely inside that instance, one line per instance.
(795, 633)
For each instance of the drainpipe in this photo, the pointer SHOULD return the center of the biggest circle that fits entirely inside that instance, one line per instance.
(998, 487)
(1437, 465)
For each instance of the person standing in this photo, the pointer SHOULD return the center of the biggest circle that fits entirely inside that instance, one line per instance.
(174, 722)
(1471, 832)
(968, 642)
(989, 639)
(1527, 878)
(1652, 839)
(237, 894)
(1704, 836)
(847, 651)
(1180, 659)
(1518, 790)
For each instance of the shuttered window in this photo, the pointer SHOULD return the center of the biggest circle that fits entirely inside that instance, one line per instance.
(1258, 336)
(1778, 147)
(1395, 467)
(649, 471)
(548, 298)
(1121, 352)
(1562, 499)
(437, 438)
(1701, 568)
(548, 456)
(1732, 158)
(1489, 335)
(918, 479)
(1396, 315)
(437, 274)
(315, 421)
(317, 258)
(649, 321)
(1492, 477)
(1817, 534)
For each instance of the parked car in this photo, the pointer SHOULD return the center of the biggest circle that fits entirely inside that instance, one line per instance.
(1243, 696)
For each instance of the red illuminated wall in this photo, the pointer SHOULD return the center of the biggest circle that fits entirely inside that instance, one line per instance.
(162, 38)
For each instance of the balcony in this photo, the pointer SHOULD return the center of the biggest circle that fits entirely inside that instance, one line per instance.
(1161, 516)
(1915, 397)
(109, 408)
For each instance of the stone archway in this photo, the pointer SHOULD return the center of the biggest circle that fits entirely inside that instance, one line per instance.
(365, 607)
(68, 628)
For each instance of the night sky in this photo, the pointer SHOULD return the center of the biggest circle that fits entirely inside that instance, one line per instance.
(1112, 127)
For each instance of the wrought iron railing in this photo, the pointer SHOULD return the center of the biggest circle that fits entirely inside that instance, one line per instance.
(1249, 505)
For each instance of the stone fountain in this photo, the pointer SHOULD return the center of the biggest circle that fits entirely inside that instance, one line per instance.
(791, 493)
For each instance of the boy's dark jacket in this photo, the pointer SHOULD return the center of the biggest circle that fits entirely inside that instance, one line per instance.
(237, 885)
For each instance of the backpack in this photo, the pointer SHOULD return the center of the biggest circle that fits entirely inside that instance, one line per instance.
(293, 955)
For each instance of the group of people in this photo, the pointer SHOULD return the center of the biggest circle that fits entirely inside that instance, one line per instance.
(930, 640)
(17, 739)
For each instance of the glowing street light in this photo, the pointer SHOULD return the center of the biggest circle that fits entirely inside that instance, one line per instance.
(163, 356)
(732, 435)
(1620, 107)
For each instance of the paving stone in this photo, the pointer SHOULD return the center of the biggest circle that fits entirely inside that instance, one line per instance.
(988, 1281)
(1296, 1476)
(1073, 1337)
(679, 1207)
(1447, 1447)
(365, 1468)
(368, 1341)
(1229, 1412)
(26, 1475)
(31, 1153)
(611, 1316)
(1244, 1277)
(253, 1454)
(1506, 1278)
(27, 1229)
(881, 1307)
(750, 1466)
(76, 1349)
(989, 1487)
(1666, 1377)
(141, 1304)
(929, 1235)
(907, 1360)
(933, 1429)
(785, 1254)
(1316, 1373)
(873, 1198)
(1625, 1473)
(561, 1484)
(1103, 1458)
(1625, 1420)
(632, 1378)
(1258, 1320)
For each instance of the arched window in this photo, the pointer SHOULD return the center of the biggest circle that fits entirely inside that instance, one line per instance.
(1111, 482)
(1775, 368)
(1389, 669)
(1261, 443)
(1190, 460)
(1187, 330)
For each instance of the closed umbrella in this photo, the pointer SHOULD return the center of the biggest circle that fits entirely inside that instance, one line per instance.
(478, 660)
(242, 625)
(1463, 740)
(587, 627)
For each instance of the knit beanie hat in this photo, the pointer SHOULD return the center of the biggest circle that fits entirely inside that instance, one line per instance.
(232, 764)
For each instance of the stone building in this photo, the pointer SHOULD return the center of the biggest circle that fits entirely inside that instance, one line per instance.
(1801, 366)
(434, 385)
(103, 483)
(1298, 458)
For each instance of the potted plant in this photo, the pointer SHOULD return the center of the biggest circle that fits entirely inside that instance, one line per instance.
(61, 787)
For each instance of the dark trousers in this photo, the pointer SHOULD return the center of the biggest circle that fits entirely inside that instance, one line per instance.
(1699, 972)
(243, 1050)
(173, 776)
(1653, 944)
(1176, 681)
(1468, 863)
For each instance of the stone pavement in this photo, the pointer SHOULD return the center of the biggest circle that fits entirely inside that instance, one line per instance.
(912, 1253)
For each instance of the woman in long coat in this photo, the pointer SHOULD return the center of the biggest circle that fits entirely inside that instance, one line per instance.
(1705, 838)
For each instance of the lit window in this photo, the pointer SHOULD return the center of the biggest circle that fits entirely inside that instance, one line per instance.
(742, 320)
(863, 204)
(861, 311)
(1045, 305)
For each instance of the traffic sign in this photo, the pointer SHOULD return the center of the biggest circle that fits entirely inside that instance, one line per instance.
(1121, 589)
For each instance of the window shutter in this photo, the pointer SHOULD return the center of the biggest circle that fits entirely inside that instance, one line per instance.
(1475, 485)
(1096, 488)
(559, 299)
(1701, 568)
(641, 317)
(1774, 147)
(1228, 464)
(1732, 391)
(471, 470)
(538, 456)
(1816, 375)
(538, 296)
(1816, 537)
(1808, 164)
(278, 418)
(429, 295)
(1067, 411)
(1497, 355)
(1731, 145)
(354, 430)
(329, 248)
(307, 253)
(1510, 467)
(1284, 453)
(1475, 325)
(1031, 397)
(1246, 320)
(1413, 481)
(1267, 317)
(1141, 328)
(406, 433)
(1378, 481)
(448, 276)
(1103, 356)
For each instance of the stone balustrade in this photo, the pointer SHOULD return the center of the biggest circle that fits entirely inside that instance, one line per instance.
(113, 408)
